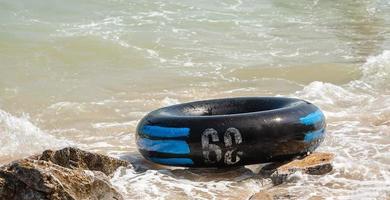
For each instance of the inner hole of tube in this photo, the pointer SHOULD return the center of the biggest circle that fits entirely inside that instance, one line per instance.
(230, 107)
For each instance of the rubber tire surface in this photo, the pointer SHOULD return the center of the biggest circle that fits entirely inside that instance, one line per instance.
(231, 132)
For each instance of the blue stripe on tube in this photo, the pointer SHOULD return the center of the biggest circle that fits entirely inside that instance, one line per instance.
(172, 161)
(165, 132)
(314, 135)
(312, 118)
(164, 146)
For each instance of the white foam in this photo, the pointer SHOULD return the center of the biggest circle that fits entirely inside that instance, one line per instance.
(358, 115)
(376, 71)
(109, 28)
(19, 137)
(176, 184)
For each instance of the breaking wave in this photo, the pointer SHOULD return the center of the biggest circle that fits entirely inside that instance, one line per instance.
(358, 116)
(19, 137)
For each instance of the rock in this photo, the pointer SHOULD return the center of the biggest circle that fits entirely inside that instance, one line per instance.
(262, 195)
(314, 164)
(76, 158)
(69, 174)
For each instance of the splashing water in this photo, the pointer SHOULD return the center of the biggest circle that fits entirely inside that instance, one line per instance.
(18, 133)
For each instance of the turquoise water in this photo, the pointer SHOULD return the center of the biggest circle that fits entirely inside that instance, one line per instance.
(83, 73)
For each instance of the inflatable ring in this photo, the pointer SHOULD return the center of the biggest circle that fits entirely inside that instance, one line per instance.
(231, 132)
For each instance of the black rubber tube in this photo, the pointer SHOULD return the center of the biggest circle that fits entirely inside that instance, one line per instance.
(231, 132)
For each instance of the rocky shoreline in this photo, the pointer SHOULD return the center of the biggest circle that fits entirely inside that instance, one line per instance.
(69, 173)
(75, 174)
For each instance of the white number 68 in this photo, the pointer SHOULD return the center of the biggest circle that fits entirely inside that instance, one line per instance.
(208, 148)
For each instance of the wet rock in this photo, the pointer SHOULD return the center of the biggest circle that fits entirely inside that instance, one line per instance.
(317, 163)
(69, 174)
(262, 195)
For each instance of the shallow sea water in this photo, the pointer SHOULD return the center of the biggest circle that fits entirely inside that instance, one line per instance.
(83, 73)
